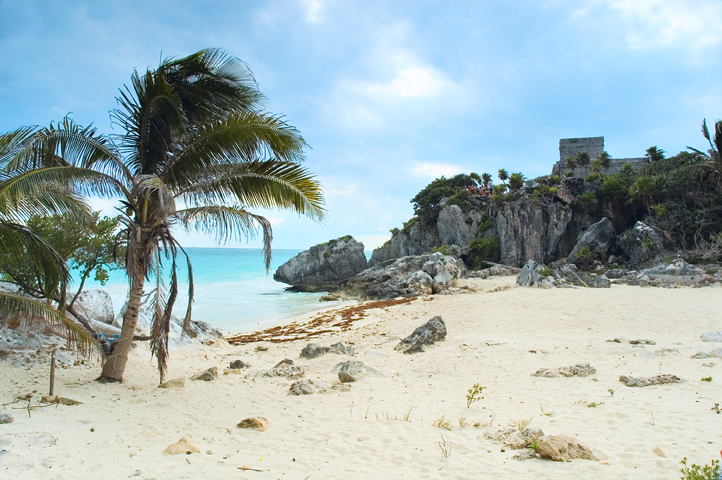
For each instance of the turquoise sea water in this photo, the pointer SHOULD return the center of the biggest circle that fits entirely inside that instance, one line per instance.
(232, 290)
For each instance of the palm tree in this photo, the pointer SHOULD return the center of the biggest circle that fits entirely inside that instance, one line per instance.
(713, 157)
(503, 176)
(486, 178)
(654, 154)
(26, 191)
(197, 152)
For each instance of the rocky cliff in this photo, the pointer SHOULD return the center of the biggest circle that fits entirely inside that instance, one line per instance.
(324, 267)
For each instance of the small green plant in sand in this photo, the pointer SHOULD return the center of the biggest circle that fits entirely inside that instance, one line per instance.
(611, 392)
(474, 395)
(707, 379)
(443, 423)
(594, 404)
(697, 472)
(534, 446)
(716, 408)
(445, 447)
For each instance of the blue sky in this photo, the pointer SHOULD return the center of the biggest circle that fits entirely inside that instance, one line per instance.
(391, 94)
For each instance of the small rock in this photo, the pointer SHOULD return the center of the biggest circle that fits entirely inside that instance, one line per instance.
(578, 370)
(258, 423)
(60, 400)
(717, 352)
(309, 387)
(6, 418)
(340, 349)
(526, 454)
(427, 334)
(709, 364)
(261, 348)
(207, 376)
(647, 381)
(285, 361)
(524, 438)
(642, 341)
(353, 370)
(237, 364)
(700, 355)
(175, 383)
(661, 451)
(312, 351)
(182, 446)
(714, 336)
(564, 448)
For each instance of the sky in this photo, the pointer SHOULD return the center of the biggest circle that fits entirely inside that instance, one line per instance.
(390, 94)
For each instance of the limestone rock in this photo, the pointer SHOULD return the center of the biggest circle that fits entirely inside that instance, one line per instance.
(700, 355)
(580, 278)
(174, 383)
(717, 352)
(237, 364)
(323, 267)
(597, 238)
(526, 454)
(647, 381)
(182, 446)
(312, 351)
(6, 418)
(309, 387)
(354, 370)
(714, 336)
(427, 334)
(678, 272)
(201, 332)
(95, 304)
(564, 448)
(524, 438)
(60, 400)
(407, 277)
(528, 231)
(578, 370)
(642, 341)
(208, 375)
(644, 245)
(282, 369)
(534, 274)
(257, 423)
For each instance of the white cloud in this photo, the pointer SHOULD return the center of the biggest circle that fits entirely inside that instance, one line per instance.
(349, 190)
(435, 170)
(416, 81)
(314, 10)
(659, 23)
(275, 221)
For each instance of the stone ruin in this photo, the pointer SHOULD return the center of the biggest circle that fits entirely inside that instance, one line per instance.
(569, 147)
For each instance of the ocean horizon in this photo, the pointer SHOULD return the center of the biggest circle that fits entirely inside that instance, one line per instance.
(232, 290)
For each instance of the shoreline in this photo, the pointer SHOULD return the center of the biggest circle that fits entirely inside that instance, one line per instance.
(498, 336)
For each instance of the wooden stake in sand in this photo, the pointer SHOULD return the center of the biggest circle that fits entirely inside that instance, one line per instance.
(52, 373)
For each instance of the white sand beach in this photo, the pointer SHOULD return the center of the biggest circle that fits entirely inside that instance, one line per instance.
(384, 427)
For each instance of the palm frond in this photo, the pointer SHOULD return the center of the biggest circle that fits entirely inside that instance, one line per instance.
(241, 137)
(228, 223)
(211, 84)
(29, 311)
(18, 242)
(270, 184)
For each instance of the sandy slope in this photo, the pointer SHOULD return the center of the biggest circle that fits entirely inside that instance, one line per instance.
(363, 433)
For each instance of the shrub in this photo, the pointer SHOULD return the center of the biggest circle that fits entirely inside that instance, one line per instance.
(394, 231)
(696, 472)
(554, 179)
(444, 250)
(593, 178)
(588, 197)
(483, 250)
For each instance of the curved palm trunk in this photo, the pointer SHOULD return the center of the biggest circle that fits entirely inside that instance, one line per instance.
(115, 364)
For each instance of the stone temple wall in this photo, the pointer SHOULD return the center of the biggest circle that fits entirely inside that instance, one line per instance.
(569, 147)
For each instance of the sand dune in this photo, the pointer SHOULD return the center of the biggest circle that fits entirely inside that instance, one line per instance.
(384, 427)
